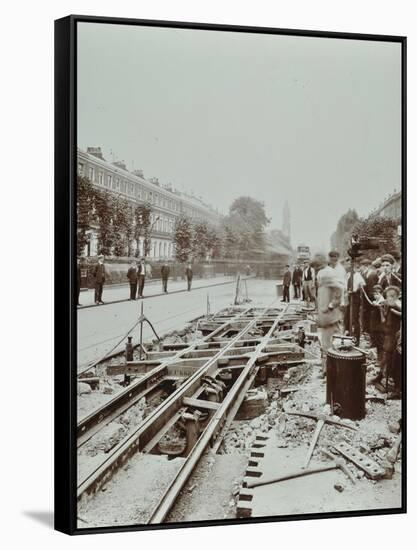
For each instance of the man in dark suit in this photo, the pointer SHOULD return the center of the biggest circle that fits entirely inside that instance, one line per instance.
(286, 282)
(165, 275)
(189, 275)
(141, 277)
(370, 276)
(132, 275)
(297, 276)
(100, 278)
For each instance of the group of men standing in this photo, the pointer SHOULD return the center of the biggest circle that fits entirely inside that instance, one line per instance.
(363, 299)
(303, 281)
(136, 275)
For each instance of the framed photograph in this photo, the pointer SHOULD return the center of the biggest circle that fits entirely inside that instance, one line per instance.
(230, 274)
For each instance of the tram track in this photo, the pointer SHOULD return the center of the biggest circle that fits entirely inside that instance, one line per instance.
(239, 343)
(95, 420)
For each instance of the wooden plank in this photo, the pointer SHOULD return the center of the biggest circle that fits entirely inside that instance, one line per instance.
(200, 403)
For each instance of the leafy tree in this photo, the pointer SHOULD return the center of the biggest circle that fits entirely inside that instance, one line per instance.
(384, 231)
(183, 239)
(128, 223)
(199, 240)
(122, 226)
(246, 222)
(214, 242)
(228, 240)
(340, 240)
(104, 211)
(85, 211)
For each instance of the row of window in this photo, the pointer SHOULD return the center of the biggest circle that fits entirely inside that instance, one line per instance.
(158, 249)
(162, 223)
(161, 250)
(110, 181)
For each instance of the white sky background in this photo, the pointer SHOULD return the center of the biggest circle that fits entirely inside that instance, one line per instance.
(313, 121)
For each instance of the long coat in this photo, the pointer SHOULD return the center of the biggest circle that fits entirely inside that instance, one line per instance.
(99, 273)
(165, 271)
(330, 291)
(297, 276)
(287, 278)
(132, 275)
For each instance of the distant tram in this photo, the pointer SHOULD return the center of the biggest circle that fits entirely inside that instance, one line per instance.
(303, 253)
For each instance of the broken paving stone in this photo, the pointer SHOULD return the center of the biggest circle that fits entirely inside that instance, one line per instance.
(83, 388)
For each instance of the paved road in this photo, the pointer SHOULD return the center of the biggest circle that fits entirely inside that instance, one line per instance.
(100, 328)
(114, 293)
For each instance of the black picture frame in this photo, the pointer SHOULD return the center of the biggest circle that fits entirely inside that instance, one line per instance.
(65, 264)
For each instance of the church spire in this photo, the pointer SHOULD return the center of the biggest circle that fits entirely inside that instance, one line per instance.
(286, 221)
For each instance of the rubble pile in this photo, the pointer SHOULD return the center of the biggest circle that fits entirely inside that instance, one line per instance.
(111, 434)
(243, 433)
(374, 436)
(105, 439)
(297, 375)
(89, 398)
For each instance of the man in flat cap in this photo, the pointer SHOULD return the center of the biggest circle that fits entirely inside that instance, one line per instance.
(338, 270)
(388, 277)
(330, 299)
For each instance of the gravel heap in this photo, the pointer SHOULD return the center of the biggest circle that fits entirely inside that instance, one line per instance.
(109, 436)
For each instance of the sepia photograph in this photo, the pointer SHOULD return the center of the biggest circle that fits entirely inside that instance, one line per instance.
(239, 202)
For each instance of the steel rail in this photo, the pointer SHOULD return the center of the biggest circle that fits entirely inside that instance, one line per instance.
(104, 414)
(215, 424)
(156, 421)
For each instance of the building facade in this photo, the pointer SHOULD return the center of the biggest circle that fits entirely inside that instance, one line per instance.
(391, 207)
(167, 203)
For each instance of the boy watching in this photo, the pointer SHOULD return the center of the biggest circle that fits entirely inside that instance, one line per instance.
(391, 319)
(376, 329)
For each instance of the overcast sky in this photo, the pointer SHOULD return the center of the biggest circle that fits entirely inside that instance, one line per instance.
(314, 121)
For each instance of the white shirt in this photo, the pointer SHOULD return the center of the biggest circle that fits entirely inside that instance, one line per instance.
(358, 280)
(340, 273)
(305, 273)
